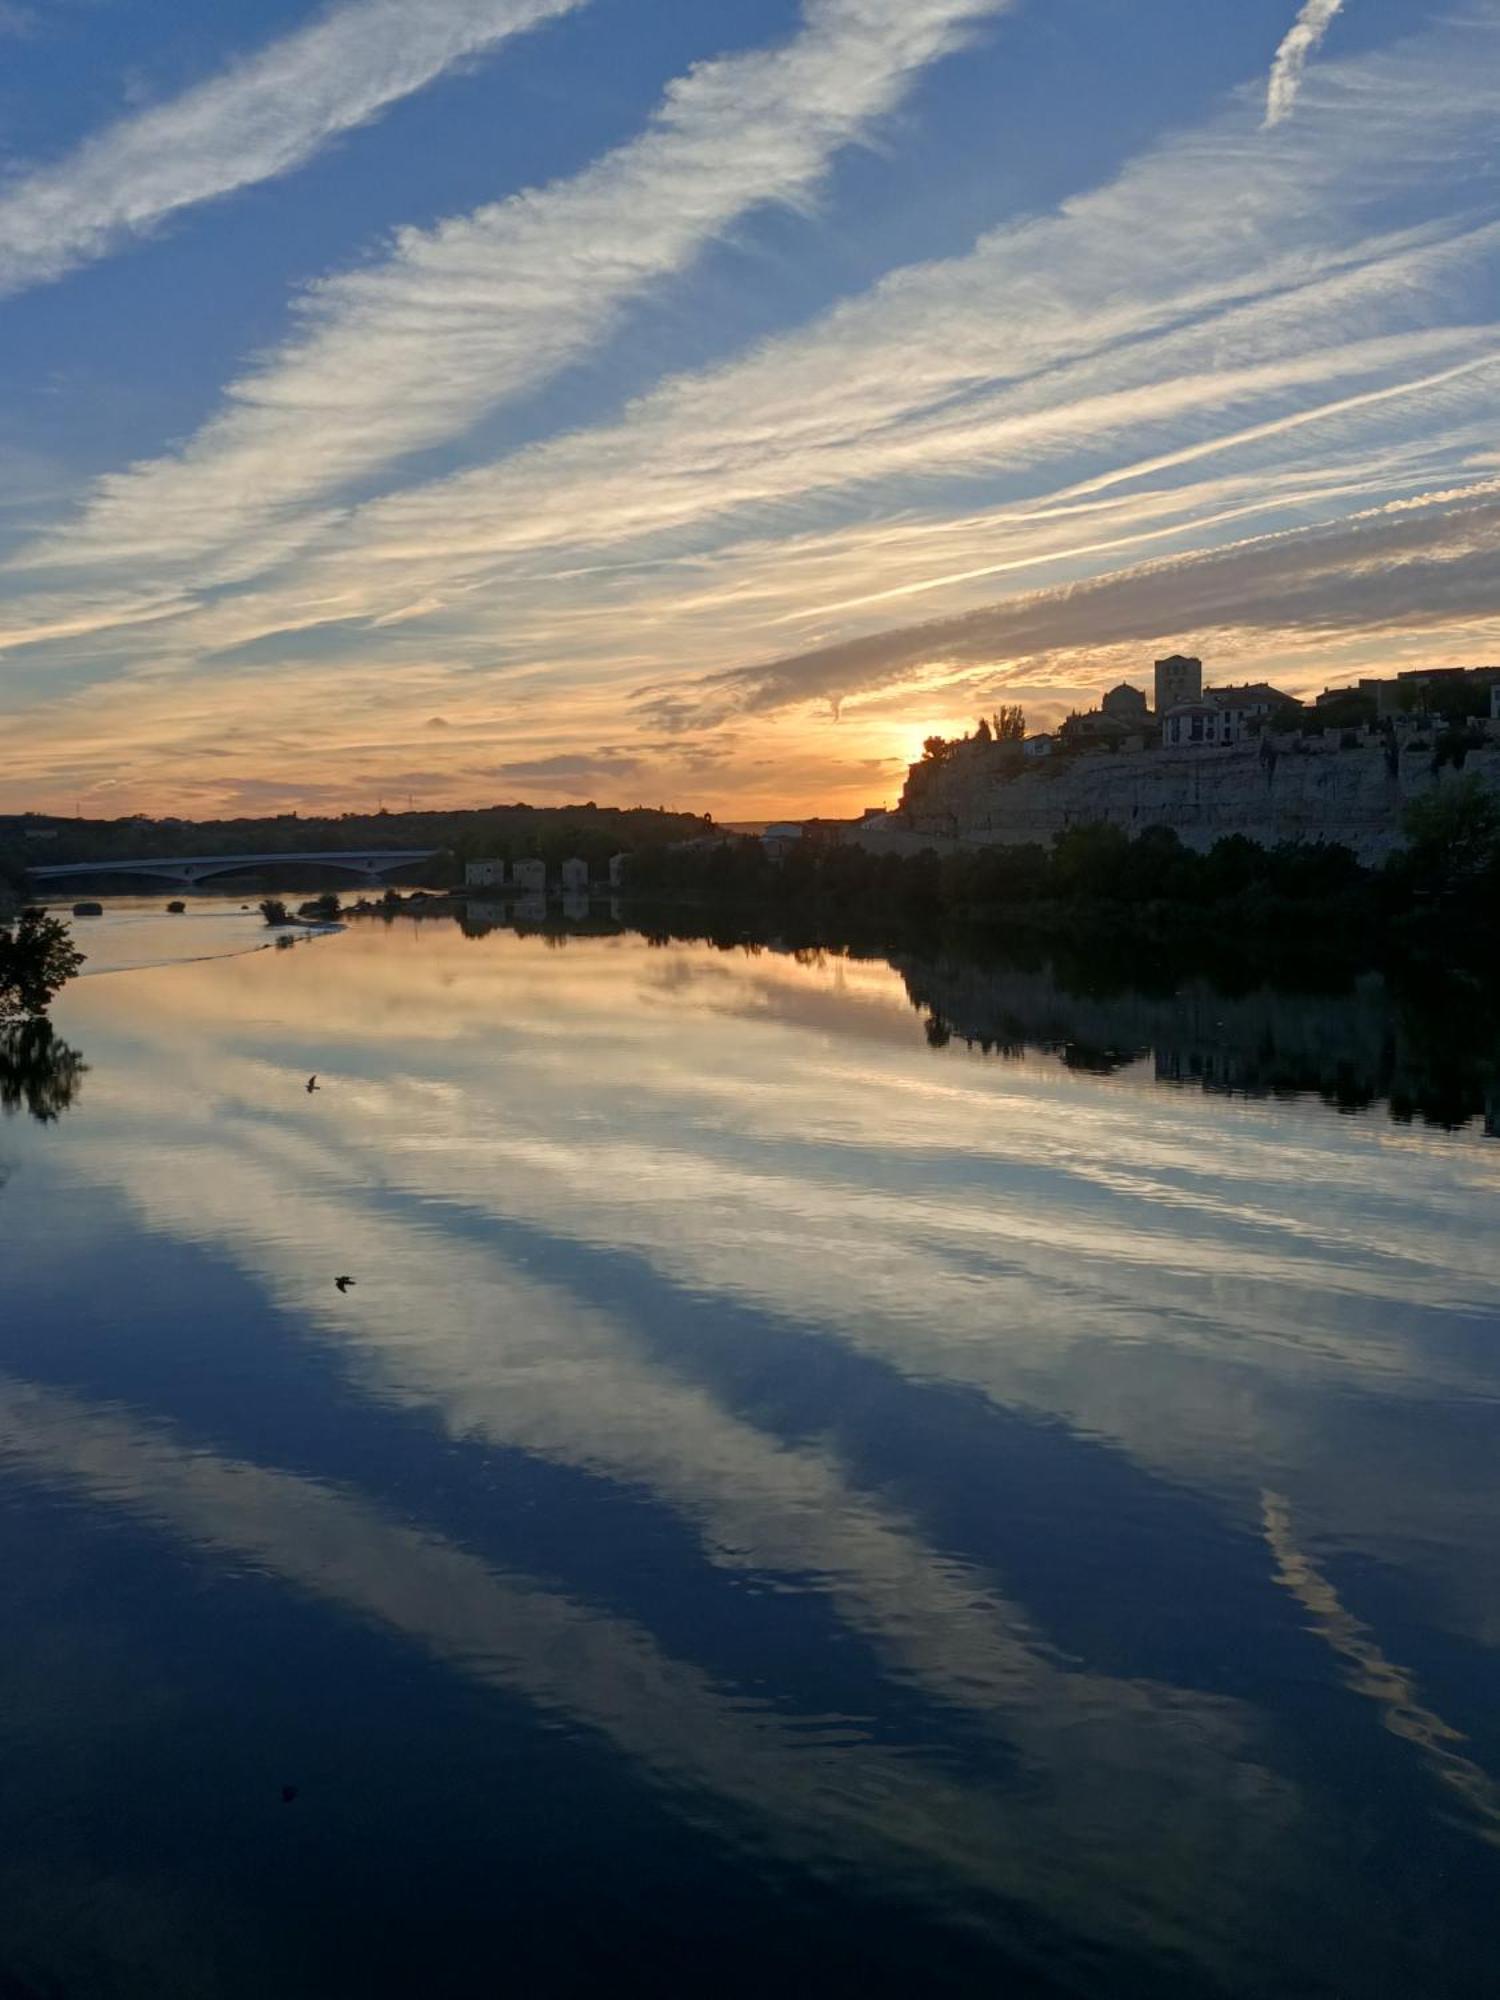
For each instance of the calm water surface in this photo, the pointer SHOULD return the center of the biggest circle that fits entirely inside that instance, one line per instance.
(791, 1503)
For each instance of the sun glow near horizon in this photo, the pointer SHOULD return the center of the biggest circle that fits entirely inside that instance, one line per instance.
(607, 474)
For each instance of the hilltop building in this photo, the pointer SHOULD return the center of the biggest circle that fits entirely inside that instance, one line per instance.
(1127, 704)
(1246, 759)
(1432, 690)
(1224, 715)
(1179, 678)
(1096, 727)
(781, 836)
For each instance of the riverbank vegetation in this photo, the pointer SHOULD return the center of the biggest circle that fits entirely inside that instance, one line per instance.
(516, 831)
(1436, 902)
(37, 959)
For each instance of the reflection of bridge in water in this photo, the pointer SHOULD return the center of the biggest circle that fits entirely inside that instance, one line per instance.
(370, 864)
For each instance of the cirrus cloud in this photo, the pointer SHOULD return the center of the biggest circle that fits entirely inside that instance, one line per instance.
(260, 118)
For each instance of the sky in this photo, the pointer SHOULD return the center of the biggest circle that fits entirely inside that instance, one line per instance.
(463, 401)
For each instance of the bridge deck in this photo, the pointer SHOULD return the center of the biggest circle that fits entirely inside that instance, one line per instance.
(194, 867)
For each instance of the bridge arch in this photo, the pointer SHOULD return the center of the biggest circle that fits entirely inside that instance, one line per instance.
(186, 870)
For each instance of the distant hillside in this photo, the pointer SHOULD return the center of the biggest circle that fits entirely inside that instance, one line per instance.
(513, 831)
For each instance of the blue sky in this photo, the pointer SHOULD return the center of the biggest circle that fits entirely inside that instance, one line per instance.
(628, 399)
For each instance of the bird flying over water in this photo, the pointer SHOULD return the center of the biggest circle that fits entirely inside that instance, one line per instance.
(312, 1082)
(343, 1283)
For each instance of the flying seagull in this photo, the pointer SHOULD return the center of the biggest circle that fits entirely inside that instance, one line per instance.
(312, 1082)
(343, 1283)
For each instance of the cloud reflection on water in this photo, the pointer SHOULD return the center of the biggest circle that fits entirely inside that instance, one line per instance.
(575, 1185)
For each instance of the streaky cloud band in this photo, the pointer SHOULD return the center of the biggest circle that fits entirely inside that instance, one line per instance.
(262, 117)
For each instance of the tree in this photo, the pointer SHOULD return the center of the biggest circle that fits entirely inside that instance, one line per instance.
(1453, 837)
(1351, 711)
(37, 959)
(1010, 724)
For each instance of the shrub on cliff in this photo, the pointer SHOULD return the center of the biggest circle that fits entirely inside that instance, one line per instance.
(1453, 841)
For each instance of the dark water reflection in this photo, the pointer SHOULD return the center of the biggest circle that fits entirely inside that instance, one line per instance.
(1434, 1057)
(40, 1073)
(783, 1503)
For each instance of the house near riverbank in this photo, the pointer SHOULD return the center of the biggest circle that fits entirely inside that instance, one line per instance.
(529, 877)
(523, 878)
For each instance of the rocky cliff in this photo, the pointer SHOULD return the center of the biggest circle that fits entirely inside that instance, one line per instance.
(1293, 790)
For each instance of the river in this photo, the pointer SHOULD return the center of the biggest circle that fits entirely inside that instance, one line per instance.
(839, 1476)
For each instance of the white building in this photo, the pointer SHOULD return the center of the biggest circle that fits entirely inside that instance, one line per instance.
(1038, 746)
(1249, 705)
(529, 878)
(781, 834)
(1195, 725)
(617, 870)
(484, 875)
(1222, 716)
(575, 877)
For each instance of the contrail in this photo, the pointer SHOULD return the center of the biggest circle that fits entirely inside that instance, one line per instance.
(1301, 42)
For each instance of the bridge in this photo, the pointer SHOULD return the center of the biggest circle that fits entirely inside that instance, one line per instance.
(369, 865)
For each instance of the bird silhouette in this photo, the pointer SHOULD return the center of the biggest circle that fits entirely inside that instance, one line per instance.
(343, 1283)
(312, 1082)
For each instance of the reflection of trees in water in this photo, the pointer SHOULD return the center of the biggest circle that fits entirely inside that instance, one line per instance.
(39, 1071)
(1431, 1053)
(1434, 1056)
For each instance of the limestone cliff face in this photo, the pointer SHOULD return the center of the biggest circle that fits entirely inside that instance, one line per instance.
(1303, 792)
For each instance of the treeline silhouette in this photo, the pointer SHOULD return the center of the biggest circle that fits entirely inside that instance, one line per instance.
(1437, 901)
(518, 830)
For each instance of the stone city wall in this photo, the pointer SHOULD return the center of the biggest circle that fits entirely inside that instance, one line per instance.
(1306, 791)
